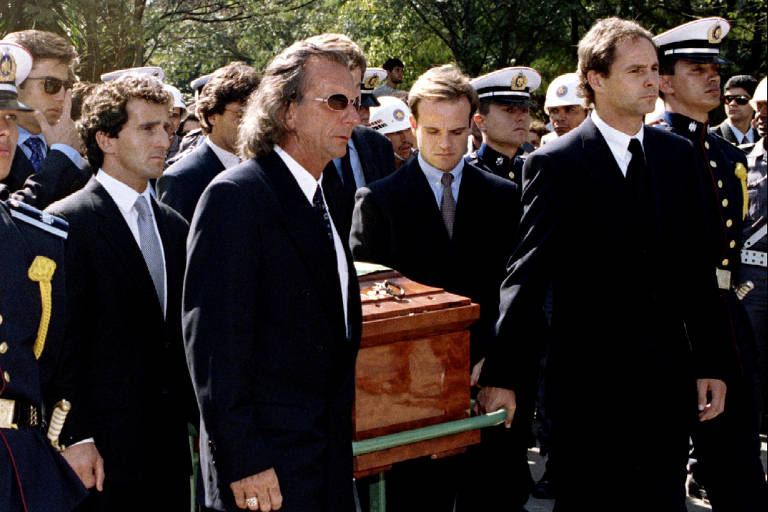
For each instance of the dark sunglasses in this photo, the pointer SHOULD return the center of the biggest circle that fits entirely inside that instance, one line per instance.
(740, 99)
(52, 85)
(339, 102)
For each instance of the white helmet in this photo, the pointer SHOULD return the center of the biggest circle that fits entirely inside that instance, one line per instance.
(178, 101)
(563, 91)
(392, 116)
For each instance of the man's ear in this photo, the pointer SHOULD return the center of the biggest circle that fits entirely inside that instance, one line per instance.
(665, 85)
(105, 142)
(595, 80)
(414, 124)
(479, 121)
(288, 117)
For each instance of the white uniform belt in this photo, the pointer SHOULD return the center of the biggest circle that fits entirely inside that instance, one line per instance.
(758, 258)
(756, 236)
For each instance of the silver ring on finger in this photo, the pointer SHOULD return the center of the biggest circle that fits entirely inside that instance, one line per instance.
(252, 502)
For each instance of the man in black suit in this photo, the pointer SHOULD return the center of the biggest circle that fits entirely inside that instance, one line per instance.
(613, 221)
(440, 234)
(272, 317)
(220, 108)
(124, 270)
(47, 165)
(369, 155)
(737, 127)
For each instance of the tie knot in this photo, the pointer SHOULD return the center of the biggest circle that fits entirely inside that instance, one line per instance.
(34, 143)
(317, 199)
(447, 179)
(141, 206)
(636, 148)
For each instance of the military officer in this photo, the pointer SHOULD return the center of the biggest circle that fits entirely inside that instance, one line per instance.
(753, 255)
(33, 476)
(371, 78)
(504, 119)
(727, 449)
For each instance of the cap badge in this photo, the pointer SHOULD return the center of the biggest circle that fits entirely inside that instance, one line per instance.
(519, 82)
(715, 34)
(561, 91)
(398, 114)
(372, 82)
(7, 68)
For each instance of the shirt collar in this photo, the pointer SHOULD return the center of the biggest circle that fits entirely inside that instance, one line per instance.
(26, 134)
(227, 159)
(436, 175)
(616, 139)
(123, 195)
(306, 181)
(739, 134)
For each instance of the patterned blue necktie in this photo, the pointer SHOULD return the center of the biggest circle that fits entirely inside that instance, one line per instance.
(35, 145)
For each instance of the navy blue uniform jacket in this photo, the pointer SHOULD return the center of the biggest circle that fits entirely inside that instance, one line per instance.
(266, 342)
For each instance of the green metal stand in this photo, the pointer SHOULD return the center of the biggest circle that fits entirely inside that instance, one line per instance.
(378, 498)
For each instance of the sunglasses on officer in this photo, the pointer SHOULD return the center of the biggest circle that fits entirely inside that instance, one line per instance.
(339, 102)
(52, 85)
(739, 99)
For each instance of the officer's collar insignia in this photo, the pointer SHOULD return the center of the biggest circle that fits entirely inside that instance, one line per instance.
(500, 160)
(692, 126)
(561, 91)
(372, 82)
(519, 82)
(7, 68)
(715, 34)
(399, 114)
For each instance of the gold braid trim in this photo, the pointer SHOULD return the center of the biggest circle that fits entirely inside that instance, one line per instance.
(42, 270)
(741, 173)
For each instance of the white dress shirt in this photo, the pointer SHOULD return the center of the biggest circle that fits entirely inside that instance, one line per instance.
(125, 198)
(354, 162)
(226, 158)
(308, 185)
(742, 138)
(618, 141)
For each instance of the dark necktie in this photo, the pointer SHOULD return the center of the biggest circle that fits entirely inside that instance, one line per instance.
(347, 175)
(35, 145)
(448, 203)
(150, 247)
(319, 205)
(636, 168)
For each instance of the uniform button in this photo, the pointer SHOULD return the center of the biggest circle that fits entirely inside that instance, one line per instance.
(3, 348)
(713, 163)
(706, 144)
(725, 202)
(729, 223)
(1, 319)
(719, 183)
(732, 244)
(725, 262)
(7, 376)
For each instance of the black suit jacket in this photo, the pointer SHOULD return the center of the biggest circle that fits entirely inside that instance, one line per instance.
(725, 131)
(377, 159)
(182, 184)
(266, 340)
(133, 392)
(57, 178)
(397, 222)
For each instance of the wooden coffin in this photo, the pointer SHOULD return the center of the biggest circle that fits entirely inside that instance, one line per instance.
(413, 368)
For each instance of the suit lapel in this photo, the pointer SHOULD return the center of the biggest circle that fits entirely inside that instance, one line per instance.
(363, 155)
(308, 235)
(422, 200)
(654, 158)
(115, 232)
(469, 195)
(599, 158)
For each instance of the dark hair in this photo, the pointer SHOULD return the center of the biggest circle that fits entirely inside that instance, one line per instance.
(746, 82)
(46, 45)
(104, 109)
(538, 127)
(80, 91)
(233, 82)
(597, 49)
(393, 63)
(190, 117)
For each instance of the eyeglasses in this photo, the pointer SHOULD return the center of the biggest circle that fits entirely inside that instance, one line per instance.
(52, 85)
(740, 99)
(339, 102)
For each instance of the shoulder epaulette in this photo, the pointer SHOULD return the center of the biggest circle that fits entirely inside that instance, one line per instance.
(41, 220)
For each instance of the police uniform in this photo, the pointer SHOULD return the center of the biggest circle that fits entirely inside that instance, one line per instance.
(727, 448)
(33, 476)
(508, 86)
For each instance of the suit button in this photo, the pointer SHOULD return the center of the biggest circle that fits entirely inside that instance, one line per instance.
(3, 348)
(729, 223)
(1, 319)
(725, 262)
(732, 244)
(713, 163)
(725, 202)
(7, 376)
